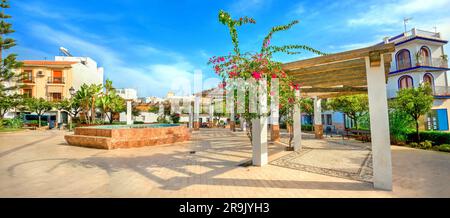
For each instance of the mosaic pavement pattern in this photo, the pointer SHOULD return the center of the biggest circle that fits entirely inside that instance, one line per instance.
(331, 157)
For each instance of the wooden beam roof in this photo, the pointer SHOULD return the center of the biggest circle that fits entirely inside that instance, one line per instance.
(346, 69)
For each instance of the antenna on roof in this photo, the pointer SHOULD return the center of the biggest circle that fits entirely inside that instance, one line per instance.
(405, 20)
(65, 51)
(435, 29)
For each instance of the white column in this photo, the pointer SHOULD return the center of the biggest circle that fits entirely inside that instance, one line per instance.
(317, 111)
(243, 124)
(259, 141)
(211, 112)
(190, 115)
(379, 125)
(297, 127)
(58, 116)
(129, 111)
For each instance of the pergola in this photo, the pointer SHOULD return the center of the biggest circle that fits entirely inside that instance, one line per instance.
(357, 71)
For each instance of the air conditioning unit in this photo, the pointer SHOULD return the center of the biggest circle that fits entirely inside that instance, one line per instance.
(40, 73)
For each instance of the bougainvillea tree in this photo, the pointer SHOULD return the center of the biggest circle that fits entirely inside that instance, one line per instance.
(258, 67)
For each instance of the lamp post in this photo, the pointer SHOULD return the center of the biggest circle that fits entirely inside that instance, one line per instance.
(72, 93)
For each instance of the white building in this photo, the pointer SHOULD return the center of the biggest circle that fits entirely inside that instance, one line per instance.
(128, 93)
(419, 58)
(85, 72)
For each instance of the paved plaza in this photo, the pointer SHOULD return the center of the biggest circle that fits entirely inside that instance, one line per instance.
(41, 164)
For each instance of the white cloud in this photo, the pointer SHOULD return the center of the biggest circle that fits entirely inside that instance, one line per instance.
(393, 12)
(149, 78)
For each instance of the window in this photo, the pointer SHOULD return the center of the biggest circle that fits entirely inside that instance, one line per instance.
(428, 79)
(329, 119)
(437, 120)
(403, 59)
(55, 96)
(405, 82)
(323, 119)
(27, 76)
(425, 57)
(57, 76)
(27, 93)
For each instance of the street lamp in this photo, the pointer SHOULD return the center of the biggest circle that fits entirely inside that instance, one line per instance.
(72, 91)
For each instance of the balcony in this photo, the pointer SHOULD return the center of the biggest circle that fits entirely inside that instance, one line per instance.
(27, 80)
(438, 92)
(55, 80)
(441, 91)
(434, 62)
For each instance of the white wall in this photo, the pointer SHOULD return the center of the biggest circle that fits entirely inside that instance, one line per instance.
(87, 73)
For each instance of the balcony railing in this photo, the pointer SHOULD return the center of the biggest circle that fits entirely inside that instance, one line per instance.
(441, 91)
(438, 91)
(434, 62)
(53, 99)
(55, 80)
(27, 80)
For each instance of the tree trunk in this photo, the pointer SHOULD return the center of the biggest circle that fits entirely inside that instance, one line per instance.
(417, 132)
(39, 122)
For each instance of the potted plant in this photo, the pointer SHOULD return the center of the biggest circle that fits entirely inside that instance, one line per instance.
(418, 57)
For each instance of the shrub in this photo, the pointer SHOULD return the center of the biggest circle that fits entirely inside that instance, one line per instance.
(138, 122)
(426, 145)
(400, 125)
(162, 119)
(437, 138)
(13, 123)
(307, 127)
(175, 117)
(444, 147)
(413, 145)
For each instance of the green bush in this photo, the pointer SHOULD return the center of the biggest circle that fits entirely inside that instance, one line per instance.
(413, 145)
(400, 125)
(13, 123)
(444, 147)
(425, 145)
(437, 138)
(138, 122)
(36, 122)
(175, 117)
(307, 127)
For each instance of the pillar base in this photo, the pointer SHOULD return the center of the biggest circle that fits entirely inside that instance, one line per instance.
(318, 131)
(233, 126)
(275, 133)
(196, 125)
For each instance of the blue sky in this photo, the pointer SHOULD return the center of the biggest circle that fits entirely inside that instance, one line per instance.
(149, 44)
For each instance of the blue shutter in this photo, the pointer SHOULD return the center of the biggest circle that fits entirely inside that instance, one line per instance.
(442, 119)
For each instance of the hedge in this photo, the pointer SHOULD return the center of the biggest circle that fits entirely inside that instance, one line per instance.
(437, 138)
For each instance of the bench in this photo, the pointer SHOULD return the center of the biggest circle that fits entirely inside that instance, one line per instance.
(361, 135)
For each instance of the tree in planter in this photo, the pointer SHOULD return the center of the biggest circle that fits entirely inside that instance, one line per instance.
(71, 106)
(257, 66)
(109, 102)
(87, 95)
(38, 106)
(8, 78)
(354, 106)
(415, 102)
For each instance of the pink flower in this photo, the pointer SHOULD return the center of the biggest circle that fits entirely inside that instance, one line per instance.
(256, 75)
(217, 69)
(274, 76)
